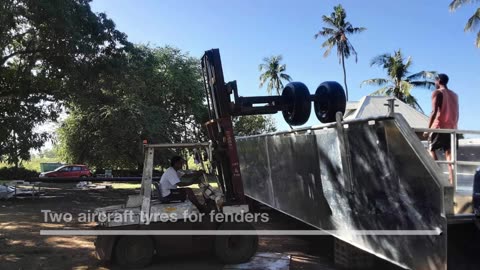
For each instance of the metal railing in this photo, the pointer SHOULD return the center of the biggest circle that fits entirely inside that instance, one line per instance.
(453, 149)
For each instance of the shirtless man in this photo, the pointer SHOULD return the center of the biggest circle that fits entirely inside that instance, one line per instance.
(444, 116)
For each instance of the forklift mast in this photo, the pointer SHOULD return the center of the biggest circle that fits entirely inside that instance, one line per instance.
(295, 103)
(220, 128)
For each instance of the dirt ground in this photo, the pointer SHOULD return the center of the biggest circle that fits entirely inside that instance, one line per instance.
(22, 246)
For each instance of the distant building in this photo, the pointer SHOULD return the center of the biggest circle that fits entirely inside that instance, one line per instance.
(374, 106)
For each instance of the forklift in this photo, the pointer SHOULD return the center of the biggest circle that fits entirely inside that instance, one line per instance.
(136, 243)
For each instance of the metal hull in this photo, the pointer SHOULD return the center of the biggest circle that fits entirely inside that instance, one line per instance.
(371, 175)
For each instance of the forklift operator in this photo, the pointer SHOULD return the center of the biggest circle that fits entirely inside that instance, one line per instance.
(170, 180)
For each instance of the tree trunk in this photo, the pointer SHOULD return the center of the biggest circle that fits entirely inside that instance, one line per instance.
(186, 135)
(16, 160)
(344, 75)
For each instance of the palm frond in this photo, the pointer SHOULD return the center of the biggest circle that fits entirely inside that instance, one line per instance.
(263, 78)
(327, 51)
(351, 49)
(400, 86)
(355, 30)
(273, 73)
(423, 84)
(406, 88)
(407, 64)
(286, 77)
(329, 43)
(473, 22)
(457, 3)
(278, 86)
(270, 87)
(376, 82)
(412, 101)
(423, 75)
(329, 21)
(384, 91)
(381, 60)
(325, 32)
(478, 40)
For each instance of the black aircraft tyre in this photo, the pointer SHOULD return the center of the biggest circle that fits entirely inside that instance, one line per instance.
(329, 99)
(299, 105)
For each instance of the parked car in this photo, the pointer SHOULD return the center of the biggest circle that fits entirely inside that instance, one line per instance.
(69, 171)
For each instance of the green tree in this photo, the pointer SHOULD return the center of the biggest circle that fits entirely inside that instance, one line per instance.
(336, 32)
(253, 125)
(473, 22)
(273, 71)
(399, 84)
(153, 94)
(49, 50)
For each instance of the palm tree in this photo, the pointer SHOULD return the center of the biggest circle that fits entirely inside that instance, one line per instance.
(473, 22)
(399, 84)
(336, 33)
(274, 72)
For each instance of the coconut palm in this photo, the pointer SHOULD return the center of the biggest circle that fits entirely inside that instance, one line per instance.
(399, 83)
(336, 34)
(474, 21)
(273, 72)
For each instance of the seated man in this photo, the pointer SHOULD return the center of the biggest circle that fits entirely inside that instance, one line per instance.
(170, 180)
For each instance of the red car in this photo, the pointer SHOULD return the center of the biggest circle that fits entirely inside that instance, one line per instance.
(69, 171)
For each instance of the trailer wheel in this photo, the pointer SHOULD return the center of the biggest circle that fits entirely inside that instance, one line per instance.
(133, 252)
(299, 105)
(234, 249)
(329, 99)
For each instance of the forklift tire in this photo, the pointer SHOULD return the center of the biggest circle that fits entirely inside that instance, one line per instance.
(134, 252)
(235, 249)
(297, 97)
(329, 99)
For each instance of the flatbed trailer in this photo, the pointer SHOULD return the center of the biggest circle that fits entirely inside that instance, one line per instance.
(370, 183)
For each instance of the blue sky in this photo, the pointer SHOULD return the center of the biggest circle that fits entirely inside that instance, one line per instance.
(247, 31)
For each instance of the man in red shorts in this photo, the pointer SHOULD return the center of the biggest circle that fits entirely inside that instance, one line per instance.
(444, 116)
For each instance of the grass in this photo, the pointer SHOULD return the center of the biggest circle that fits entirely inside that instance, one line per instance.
(33, 164)
(125, 186)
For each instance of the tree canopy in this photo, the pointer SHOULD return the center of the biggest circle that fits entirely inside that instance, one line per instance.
(336, 31)
(253, 125)
(49, 50)
(473, 23)
(273, 72)
(156, 96)
(400, 82)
